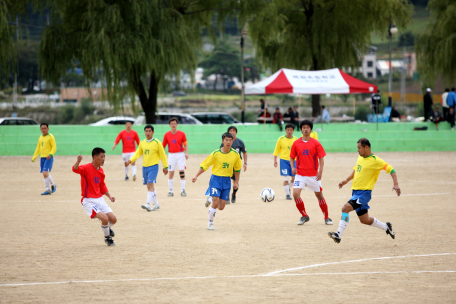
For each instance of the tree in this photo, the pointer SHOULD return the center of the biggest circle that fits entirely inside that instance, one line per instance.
(130, 44)
(436, 46)
(321, 34)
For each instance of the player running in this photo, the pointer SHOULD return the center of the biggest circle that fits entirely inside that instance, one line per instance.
(223, 160)
(128, 137)
(365, 175)
(152, 151)
(177, 144)
(46, 147)
(93, 188)
(309, 155)
(283, 148)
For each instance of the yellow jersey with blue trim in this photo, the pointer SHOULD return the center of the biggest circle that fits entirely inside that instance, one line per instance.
(46, 146)
(367, 170)
(283, 147)
(223, 163)
(152, 151)
(313, 135)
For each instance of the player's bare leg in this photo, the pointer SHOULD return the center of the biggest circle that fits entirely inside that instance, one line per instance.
(217, 203)
(171, 183)
(182, 182)
(323, 207)
(126, 171)
(105, 220)
(300, 205)
(151, 198)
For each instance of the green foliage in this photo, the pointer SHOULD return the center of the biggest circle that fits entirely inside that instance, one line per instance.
(407, 39)
(361, 112)
(224, 60)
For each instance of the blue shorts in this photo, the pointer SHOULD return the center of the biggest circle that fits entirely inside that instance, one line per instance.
(46, 164)
(150, 175)
(285, 168)
(219, 186)
(360, 200)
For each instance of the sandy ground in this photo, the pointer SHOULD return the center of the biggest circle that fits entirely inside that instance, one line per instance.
(51, 252)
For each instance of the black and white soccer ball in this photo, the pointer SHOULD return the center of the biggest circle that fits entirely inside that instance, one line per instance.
(267, 195)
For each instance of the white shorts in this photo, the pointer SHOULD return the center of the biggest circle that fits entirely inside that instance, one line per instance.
(92, 206)
(176, 160)
(309, 181)
(127, 156)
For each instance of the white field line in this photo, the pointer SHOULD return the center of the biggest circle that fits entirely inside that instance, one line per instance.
(271, 274)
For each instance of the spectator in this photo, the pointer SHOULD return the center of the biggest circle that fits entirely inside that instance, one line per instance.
(290, 114)
(266, 113)
(427, 99)
(395, 115)
(451, 100)
(450, 118)
(436, 117)
(325, 117)
(376, 101)
(278, 118)
(445, 104)
(296, 116)
(263, 106)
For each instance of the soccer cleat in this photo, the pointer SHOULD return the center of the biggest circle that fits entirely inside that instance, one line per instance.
(288, 197)
(111, 232)
(303, 220)
(233, 198)
(183, 193)
(53, 188)
(47, 192)
(170, 193)
(335, 236)
(228, 201)
(328, 221)
(147, 207)
(389, 230)
(157, 206)
(134, 177)
(109, 241)
(208, 202)
(210, 226)
(126, 178)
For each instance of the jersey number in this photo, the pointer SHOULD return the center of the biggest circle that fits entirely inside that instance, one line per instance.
(358, 168)
(174, 141)
(214, 191)
(305, 152)
(147, 152)
(97, 180)
(284, 171)
(128, 137)
(226, 165)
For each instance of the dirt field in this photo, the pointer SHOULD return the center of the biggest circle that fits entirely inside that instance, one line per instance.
(51, 252)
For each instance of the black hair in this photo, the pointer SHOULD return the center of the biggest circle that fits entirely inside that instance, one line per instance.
(44, 124)
(452, 89)
(128, 122)
(364, 142)
(97, 151)
(289, 126)
(322, 107)
(290, 109)
(277, 109)
(227, 134)
(232, 128)
(149, 127)
(306, 122)
(172, 119)
(447, 90)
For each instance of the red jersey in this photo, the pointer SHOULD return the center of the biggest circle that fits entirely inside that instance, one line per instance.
(175, 142)
(128, 141)
(308, 154)
(92, 181)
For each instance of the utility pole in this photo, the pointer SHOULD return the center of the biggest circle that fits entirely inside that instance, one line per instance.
(404, 73)
(244, 33)
(15, 73)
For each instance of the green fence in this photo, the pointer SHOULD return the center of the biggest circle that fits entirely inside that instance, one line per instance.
(202, 139)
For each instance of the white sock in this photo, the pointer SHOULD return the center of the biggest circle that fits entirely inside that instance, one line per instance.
(110, 224)
(171, 184)
(133, 170)
(155, 198)
(212, 212)
(46, 183)
(379, 224)
(51, 181)
(150, 197)
(287, 189)
(342, 226)
(126, 171)
(182, 181)
(105, 229)
(209, 199)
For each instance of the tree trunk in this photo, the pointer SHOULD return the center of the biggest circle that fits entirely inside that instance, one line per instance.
(316, 109)
(148, 103)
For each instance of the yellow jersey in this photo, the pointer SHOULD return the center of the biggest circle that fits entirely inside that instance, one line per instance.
(46, 146)
(152, 152)
(283, 147)
(223, 163)
(367, 170)
(313, 135)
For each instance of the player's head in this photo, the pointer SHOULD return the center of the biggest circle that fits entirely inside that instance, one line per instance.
(232, 130)
(290, 110)
(295, 108)
(453, 88)
(98, 156)
(364, 147)
(44, 128)
(128, 125)
(173, 122)
(322, 107)
(149, 131)
(277, 110)
(289, 129)
(306, 127)
(447, 90)
(262, 100)
(227, 139)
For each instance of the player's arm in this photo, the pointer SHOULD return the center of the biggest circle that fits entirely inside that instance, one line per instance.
(237, 172)
(53, 149)
(200, 171)
(163, 158)
(389, 169)
(112, 198)
(345, 181)
(320, 169)
(116, 142)
(165, 141)
(186, 149)
(135, 156)
(245, 160)
(76, 165)
(276, 152)
(209, 161)
(37, 151)
(292, 159)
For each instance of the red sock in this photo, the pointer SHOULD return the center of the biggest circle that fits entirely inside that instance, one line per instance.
(324, 208)
(300, 206)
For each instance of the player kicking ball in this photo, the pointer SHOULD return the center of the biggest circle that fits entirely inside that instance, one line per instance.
(128, 137)
(46, 147)
(365, 175)
(93, 188)
(309, 155)
(283, 148)
(223, 161)
(152, 151)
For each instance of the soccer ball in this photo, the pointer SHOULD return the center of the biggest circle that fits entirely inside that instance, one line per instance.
(267, 195)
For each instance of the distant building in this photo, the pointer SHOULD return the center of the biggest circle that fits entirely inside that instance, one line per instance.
(367, 63)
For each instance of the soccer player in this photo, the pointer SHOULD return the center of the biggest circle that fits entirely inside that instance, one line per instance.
(46, 147)
(309, 155)
(283, 148)
(223, 160)
(152, 151)
(239, 146)
(128, 137)
(314, 135)
(364, 175)
(177, 144)
(93, 188)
